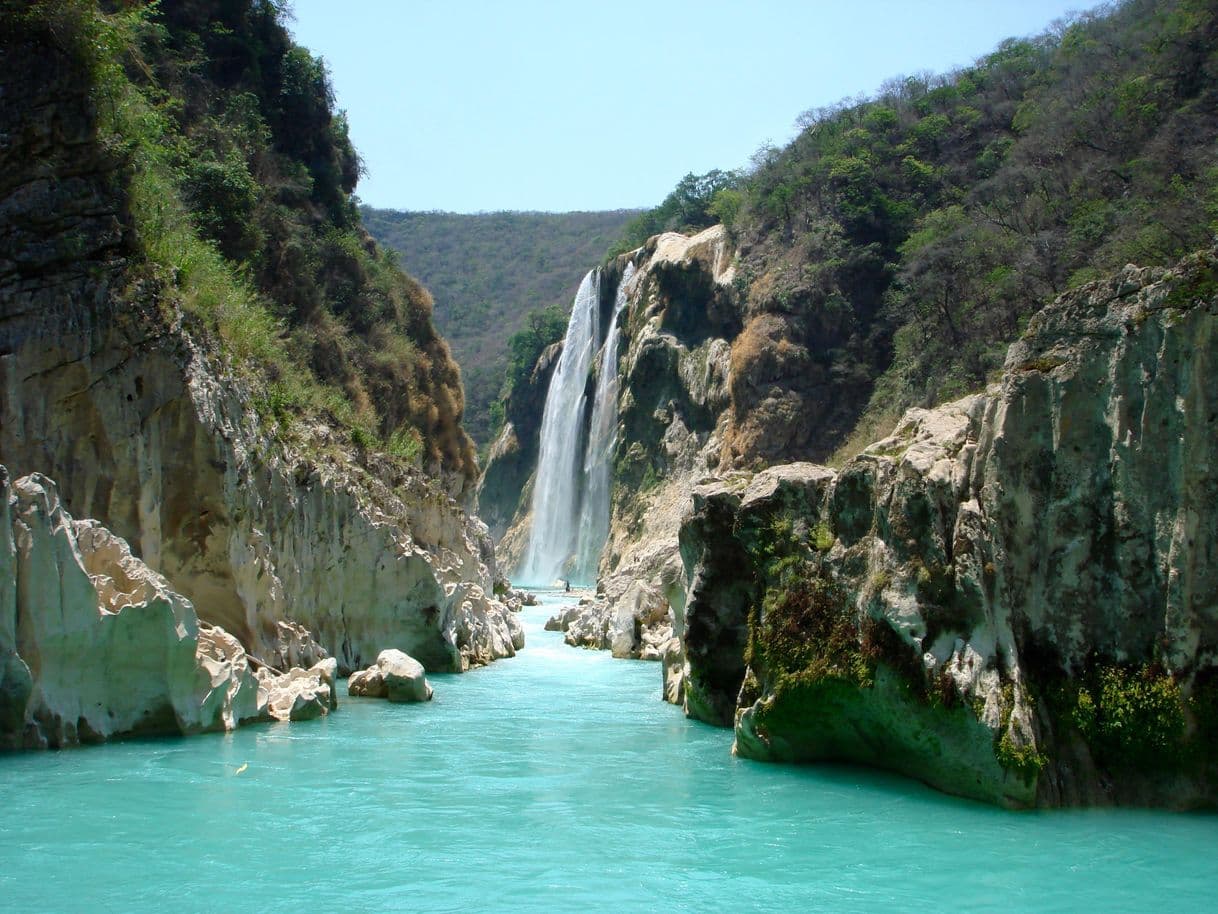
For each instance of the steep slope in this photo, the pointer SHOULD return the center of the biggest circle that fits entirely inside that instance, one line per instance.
(1010, 598)
(145, 374)
(1013, 596)
(487, 273)
(898, 244)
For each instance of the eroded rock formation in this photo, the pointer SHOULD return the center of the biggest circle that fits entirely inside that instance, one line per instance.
(1013, 597)
(300, 547)
(95, 644)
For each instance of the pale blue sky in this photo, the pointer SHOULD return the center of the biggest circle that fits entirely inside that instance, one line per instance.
(474, 105)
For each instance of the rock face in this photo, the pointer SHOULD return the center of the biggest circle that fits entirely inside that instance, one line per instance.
(395, 676)
(288, 550)
(637, 626)
(93, 643)
(1011, 598)
(298, 548)
(681, 315)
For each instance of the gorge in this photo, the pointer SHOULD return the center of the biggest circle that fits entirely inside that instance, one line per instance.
(880, 477)
(937, 580)
(571, 784)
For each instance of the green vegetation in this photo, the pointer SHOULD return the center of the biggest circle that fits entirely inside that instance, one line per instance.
(913, 234)
(1022, 758)
(697, 202)
(1131, 716)
(240, 182)
(491, 274)
(542, 329)
(804, 630)
(822, 537)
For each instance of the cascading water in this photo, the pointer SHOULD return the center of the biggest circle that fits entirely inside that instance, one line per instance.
(556, 489)
(602, 437)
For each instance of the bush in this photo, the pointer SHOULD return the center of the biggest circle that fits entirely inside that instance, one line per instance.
(1132, 716)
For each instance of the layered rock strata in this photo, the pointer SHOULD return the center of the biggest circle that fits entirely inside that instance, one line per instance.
(299, 546)
(1013, 597)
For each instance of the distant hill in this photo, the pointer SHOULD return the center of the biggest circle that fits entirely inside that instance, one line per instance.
(486, 272)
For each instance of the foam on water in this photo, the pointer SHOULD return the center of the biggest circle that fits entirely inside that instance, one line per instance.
(555, 781)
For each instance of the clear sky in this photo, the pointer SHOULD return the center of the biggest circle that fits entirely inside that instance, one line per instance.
(483, 105)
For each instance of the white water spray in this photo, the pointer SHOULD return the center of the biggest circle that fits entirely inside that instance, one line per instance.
(602, 437)
(556, 486)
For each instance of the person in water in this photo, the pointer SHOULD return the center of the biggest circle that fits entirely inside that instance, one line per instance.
(566, 585)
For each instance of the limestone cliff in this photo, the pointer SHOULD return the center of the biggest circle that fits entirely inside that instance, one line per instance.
(299, 544)
(1010, 598)
(1013, 596)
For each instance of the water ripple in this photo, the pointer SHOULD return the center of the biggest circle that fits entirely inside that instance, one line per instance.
(555, 781)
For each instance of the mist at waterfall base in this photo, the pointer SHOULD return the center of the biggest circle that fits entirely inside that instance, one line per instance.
(554, 781)
(570, 506)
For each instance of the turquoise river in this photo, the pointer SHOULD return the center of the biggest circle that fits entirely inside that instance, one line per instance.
(555, 781)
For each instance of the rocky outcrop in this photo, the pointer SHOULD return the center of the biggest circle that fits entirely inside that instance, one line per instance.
(94, 644)
(1013, 596)
(395, 676)
(299, 545)
(723, 583)
(637, 626)
(674, 410)
(299, 694)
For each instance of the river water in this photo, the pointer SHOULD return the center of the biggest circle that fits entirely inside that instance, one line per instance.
(555, 781)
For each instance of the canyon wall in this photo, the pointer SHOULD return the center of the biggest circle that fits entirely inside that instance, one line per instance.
(298, 544)
(1011, 597)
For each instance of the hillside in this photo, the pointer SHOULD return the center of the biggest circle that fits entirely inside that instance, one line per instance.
(486, 273)
(241, 174)
(230, 432)
(892, 250)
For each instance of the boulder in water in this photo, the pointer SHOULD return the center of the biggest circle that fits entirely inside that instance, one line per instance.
(404, 677)
(367, 683)
(395, 675)
(299, 694)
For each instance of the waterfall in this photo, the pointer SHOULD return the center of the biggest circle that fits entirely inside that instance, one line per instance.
(602, 437)
(556, 489)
